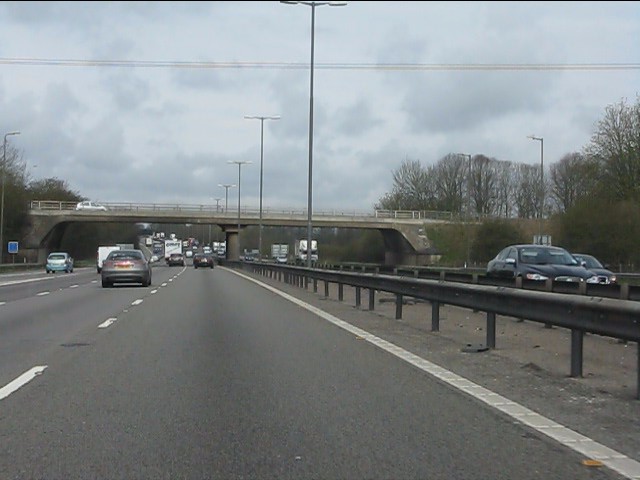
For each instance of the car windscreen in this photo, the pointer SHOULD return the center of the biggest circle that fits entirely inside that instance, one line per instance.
(546, 256)
(590, 262)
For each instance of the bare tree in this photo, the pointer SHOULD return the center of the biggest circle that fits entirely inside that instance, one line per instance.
(484, 182)
(449, 176)
(412, 189)
(505, 189)
(616, 145)
(527, 192)
(571, 179)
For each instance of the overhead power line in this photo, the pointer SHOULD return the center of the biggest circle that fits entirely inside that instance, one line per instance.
(325, 66)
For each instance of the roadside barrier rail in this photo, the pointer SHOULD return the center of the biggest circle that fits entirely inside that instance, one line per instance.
(581, 314)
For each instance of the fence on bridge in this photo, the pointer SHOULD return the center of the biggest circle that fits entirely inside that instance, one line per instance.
(172, 207)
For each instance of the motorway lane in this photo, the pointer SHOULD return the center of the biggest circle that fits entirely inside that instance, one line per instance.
(215, 377)
(40, 314)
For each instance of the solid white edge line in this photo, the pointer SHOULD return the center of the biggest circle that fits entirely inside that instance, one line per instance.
(22, 380)
(614, 460)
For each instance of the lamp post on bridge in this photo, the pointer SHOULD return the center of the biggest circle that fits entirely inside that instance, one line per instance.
(226, 187)
(541, 140)
(262, 119)
(468, 215)
(313, 6)
(239, 163)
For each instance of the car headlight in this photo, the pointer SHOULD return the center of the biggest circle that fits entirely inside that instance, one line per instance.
(535, 276)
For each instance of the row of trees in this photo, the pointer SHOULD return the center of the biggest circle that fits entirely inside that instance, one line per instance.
(590, 200)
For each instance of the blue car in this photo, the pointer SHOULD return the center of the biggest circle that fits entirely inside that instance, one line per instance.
(59, 262)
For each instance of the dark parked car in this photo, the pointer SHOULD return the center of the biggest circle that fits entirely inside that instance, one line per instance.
(175, 259)
(539, 262)
(203, 260)
(590, 262)
(126, 266)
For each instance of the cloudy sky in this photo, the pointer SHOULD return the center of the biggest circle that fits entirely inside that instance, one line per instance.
(146, 101)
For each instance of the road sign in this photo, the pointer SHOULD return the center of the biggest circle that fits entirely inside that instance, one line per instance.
(12, 247)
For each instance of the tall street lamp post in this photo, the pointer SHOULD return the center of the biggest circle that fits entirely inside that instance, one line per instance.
(239, 163)
(4, 168)
(541, 140)
(262, 119)
(226, 187)
(468, 206)
(313, 6)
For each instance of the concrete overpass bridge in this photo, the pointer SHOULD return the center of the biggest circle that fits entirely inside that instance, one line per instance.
(404, 232)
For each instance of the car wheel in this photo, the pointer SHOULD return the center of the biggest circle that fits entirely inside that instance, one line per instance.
(195, 266)
(105, 284)
(212, 265)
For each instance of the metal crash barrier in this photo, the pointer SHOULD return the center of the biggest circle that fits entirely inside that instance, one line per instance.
(581, 314)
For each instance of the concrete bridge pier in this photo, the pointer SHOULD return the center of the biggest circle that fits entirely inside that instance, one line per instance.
(405, 245)
(233, 242)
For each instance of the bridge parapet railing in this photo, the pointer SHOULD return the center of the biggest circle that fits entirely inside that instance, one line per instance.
(302, 212)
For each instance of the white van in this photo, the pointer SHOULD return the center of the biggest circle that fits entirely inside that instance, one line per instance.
(103, 252)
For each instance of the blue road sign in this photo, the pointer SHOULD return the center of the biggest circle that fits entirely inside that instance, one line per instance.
(12, 247)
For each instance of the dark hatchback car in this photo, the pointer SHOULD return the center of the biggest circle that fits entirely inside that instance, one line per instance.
(539, 262)
(175, 259)
(203, 260)
(126, 266)
(605, 275)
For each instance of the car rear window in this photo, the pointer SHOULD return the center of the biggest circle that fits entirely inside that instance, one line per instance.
(121, 255)
(57, 256)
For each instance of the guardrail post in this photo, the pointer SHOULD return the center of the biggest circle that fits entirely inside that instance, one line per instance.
(326, 289)
(638, 382)
(577, 344)
(372, 299)
(491, 329)
(435, 316)
(624, 291)
(315, 285)
(340, 292)
(358, 297)
(398, 306)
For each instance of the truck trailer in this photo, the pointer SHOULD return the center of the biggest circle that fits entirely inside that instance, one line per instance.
(300, 251)
(172, 246)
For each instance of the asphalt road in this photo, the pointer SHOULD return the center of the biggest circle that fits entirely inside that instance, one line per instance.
(206, 374)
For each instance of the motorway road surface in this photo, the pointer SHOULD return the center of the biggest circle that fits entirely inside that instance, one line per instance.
(207, 375)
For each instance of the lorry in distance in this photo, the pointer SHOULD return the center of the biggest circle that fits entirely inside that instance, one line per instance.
(172, 246)
(103, 252)
(300, 251)
(280, 252)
